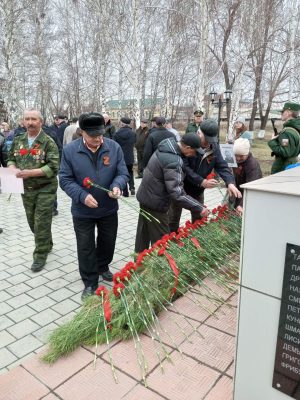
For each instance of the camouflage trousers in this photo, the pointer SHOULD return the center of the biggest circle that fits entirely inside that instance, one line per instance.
(38, 207)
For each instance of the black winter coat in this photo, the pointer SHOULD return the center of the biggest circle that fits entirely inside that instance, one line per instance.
(247, 171)
(197, 168)
(110, 130)
(163, 180)
(126, 139)
(152, 142)
(141, 137)
(3, 152)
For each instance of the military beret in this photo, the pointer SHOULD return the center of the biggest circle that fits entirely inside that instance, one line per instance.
(210, 129)
(126, 120)
(291, 106)
(198, 113)
(92, 123)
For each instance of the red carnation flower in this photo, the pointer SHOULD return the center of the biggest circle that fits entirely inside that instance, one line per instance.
(161, 251)
(87, 182)
(100, 290)
(117, 278)
(33, 152)
(118, 288)
(125, 275)
(23, 152)
(212, 175)
(130, 266)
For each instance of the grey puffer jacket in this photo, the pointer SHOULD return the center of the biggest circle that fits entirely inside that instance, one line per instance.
(163, 180)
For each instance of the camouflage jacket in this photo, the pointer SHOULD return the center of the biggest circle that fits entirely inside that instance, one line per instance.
(42, 154)
(286, 146)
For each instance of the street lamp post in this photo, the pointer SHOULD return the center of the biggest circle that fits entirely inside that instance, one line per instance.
(220, 103)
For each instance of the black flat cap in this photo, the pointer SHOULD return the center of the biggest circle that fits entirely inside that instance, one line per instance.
(209, 128)
(126, 120)
(192, 140)
(160, 121)
(92, 123)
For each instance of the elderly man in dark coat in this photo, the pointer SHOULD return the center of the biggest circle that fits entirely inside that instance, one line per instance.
(197, 170)
(126, 139)
(93, 158)
(162, 183)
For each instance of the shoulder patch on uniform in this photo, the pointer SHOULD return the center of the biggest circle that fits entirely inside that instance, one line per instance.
(284, 142)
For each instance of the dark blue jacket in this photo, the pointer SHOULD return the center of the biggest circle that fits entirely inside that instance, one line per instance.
(197, 168)
(59, 130)
(77, 163)
(126, 139)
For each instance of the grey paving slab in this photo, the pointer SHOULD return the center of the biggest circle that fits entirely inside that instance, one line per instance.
(6, 338)
(45, 317)
(15, 279)
(23, 328)
(18, 301)
(24, 346)
(39, 292)
(21, 313)
(43, 334)
(6, 357)
(5, 308)
(61, 294)
(42, 303)
(4, 296)
(65, 306)
(5, 322)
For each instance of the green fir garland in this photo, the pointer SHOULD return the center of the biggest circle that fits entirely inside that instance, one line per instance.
(174, 265)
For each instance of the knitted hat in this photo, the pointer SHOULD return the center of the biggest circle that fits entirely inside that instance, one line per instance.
(241, 120)
(241, 147)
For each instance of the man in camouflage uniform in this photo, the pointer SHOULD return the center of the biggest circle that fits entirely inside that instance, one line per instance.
(36, 155)
(194, 126)
(286, 145)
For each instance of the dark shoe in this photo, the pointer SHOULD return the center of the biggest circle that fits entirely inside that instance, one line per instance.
(88, 291)
(125, 194)
(1, 230)
(37, 266)
(54, 213)
(132, 191)
(107, 276)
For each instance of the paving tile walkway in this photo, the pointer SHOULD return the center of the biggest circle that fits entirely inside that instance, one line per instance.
(33, 304)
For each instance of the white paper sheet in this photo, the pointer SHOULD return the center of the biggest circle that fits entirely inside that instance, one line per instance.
(9, 183)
